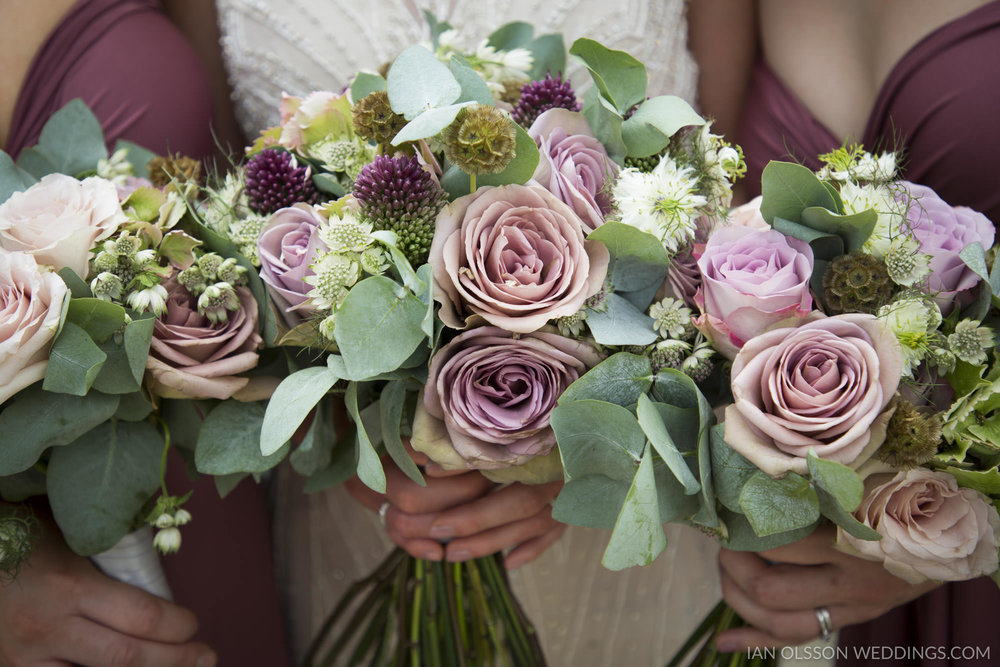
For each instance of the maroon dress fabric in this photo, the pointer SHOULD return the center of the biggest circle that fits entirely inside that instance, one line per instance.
(941, 106)
(145, 84)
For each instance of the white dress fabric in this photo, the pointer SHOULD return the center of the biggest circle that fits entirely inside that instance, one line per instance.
(586, 615)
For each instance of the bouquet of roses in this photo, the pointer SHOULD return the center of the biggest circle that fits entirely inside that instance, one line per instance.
(452, 247)
(104, 321)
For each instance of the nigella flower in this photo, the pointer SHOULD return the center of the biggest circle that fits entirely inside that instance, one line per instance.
(398, 195)
(539, 96)
(664, 202)
(274, 180)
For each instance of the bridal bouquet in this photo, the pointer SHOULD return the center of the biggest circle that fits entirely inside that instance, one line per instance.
(117, 314)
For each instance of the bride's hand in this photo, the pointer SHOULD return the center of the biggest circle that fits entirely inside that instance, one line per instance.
(778, 592)
(473, 516)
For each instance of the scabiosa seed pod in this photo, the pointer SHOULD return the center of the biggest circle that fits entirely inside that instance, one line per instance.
(164, 170)
(395, 193)
(480, 140)
(539, 96)
(911, 438)
(274, 180)
(375, 120)
(856, 283)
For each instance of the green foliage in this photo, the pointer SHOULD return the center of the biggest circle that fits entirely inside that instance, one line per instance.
(369, 466)
(638, 536)
(79, 289)
(549, 53)
(619, 379)
(71, 142)
(730, 470)
(74, 362)
(513, 35)
(740, 536)
(229, 441)
(648, 130)
(620, 78)
(842, 483)
(417, 81)
(606, 123)
(775, 506)
(656, 431)
(474, 88)
(428, 123)
(291, 403)
(391, 403)
(831, 508)
(788, 189)
(365, 84)
(620, 323)
(12, 178)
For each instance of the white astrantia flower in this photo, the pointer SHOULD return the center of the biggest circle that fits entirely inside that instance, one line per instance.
(971, 341)
(906, 265)
(333, 274)
(891, 213)
(672, 319)
(663, 202)
(912, 320)
(152, 299)
(346, 233)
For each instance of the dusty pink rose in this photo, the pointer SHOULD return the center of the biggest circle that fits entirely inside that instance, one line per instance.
(494, 392)
(59, 219)
(752, 280)
(30, 306)
(514, 255)
(942, 231)
(573, 164)
(825, 385)
(287, 245)
(931, 528)
(190, 357)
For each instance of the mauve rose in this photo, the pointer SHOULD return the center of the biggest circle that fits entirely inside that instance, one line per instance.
(515, 256)
(494, 392)
(30, 306)
(943, 230)
(287, 245)
(59, 219)
(931, 528)
(752, 280)
(192, 358)
(573, 165)
(824, 385)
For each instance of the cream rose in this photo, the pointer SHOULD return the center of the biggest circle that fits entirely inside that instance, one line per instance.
(59, 219)
(30, 306)
(515, 256)
(931, 528)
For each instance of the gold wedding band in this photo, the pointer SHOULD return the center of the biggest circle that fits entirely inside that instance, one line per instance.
(383, 509)
(825, 627)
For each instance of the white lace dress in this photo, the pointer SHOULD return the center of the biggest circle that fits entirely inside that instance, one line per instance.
(586, 615)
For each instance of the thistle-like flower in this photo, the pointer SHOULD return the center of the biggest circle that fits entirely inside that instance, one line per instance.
(856, 283)
(971, 341)
(480, 140)
(333, 275)
(669, 354)
(911, 438)
(540, 96)
(398, 195)
(274, 180)
(107, 286)
(664, 202)
(701, 362)
(913, 320)
(375, 120)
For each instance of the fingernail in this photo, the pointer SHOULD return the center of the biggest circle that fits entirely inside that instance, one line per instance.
(442, 532)
(726, 645)
(456, 556)
(430, 554)
(207, 660)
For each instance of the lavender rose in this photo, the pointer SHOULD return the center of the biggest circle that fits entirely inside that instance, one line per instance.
(942, 231)
(573, 164)
(287, 246)
(515, 256)
(752, 280)
(493, 392)
(931, 528)
(825, 385)
(30, 306)
(59, 219)
(190, 357)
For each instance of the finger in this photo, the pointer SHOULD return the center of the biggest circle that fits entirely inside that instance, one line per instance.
(361, 493)
(787, 627)
(92, 645)
(440, 494)
(499, 539)
(419, 548)
(780, 586)
(746, 639)
(132, 611)
(532, 549)
(516, 501)
(815, 549)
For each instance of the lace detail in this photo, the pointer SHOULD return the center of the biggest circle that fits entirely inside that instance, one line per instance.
(298, 46)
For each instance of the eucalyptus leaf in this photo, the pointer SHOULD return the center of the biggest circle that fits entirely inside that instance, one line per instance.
(429, 123)
(591, 501)
(549, 56)
(78, 286)
(229, 441)
(341, 468)
(37, 420)
(637, 258)
(366, 83)
(974, 256)
(638, 536)
(620, 78)
(775, 506)
(789, 188)
(315, 452)
(98, 484)
(825, 246)
(36, 163)
(730, 470)
(620, 323)
(659, 436)
(740, 535)
(649, 129)
(226, 484)
(707, 515)
(511, 35)
(369, 466)
(675, 388)
(20, 487)
(391, 403)
(74, 362)
(854, 229)
(418, 81)
(474, 88)
(521, 168)
(606, 123)
(831, 508)
(597, 438)
(97, 317)
(842, 483)
(619, 379)
(72, 139)
(291, 402)
(12, 178)
(133, 407)
(436, 27)
(329, 184)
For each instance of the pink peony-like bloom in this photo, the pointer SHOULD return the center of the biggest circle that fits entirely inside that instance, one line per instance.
(31, 303)
(494, 392)
(942, 231)
(573, 165)
(931, 528)
(514, 256)
(190, 357)
(825, 385)
(752, 280)
(59, 219)
(287, 246)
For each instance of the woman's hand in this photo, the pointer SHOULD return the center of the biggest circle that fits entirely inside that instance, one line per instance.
(461, 515)
(778, 591)
(61, 610)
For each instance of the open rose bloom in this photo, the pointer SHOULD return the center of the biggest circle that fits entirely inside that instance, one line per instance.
(288, 244)
(825, 385)
(931, 528)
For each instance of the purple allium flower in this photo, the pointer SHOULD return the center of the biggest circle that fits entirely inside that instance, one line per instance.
(274, 180)
(397, 194)
(539, 96)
